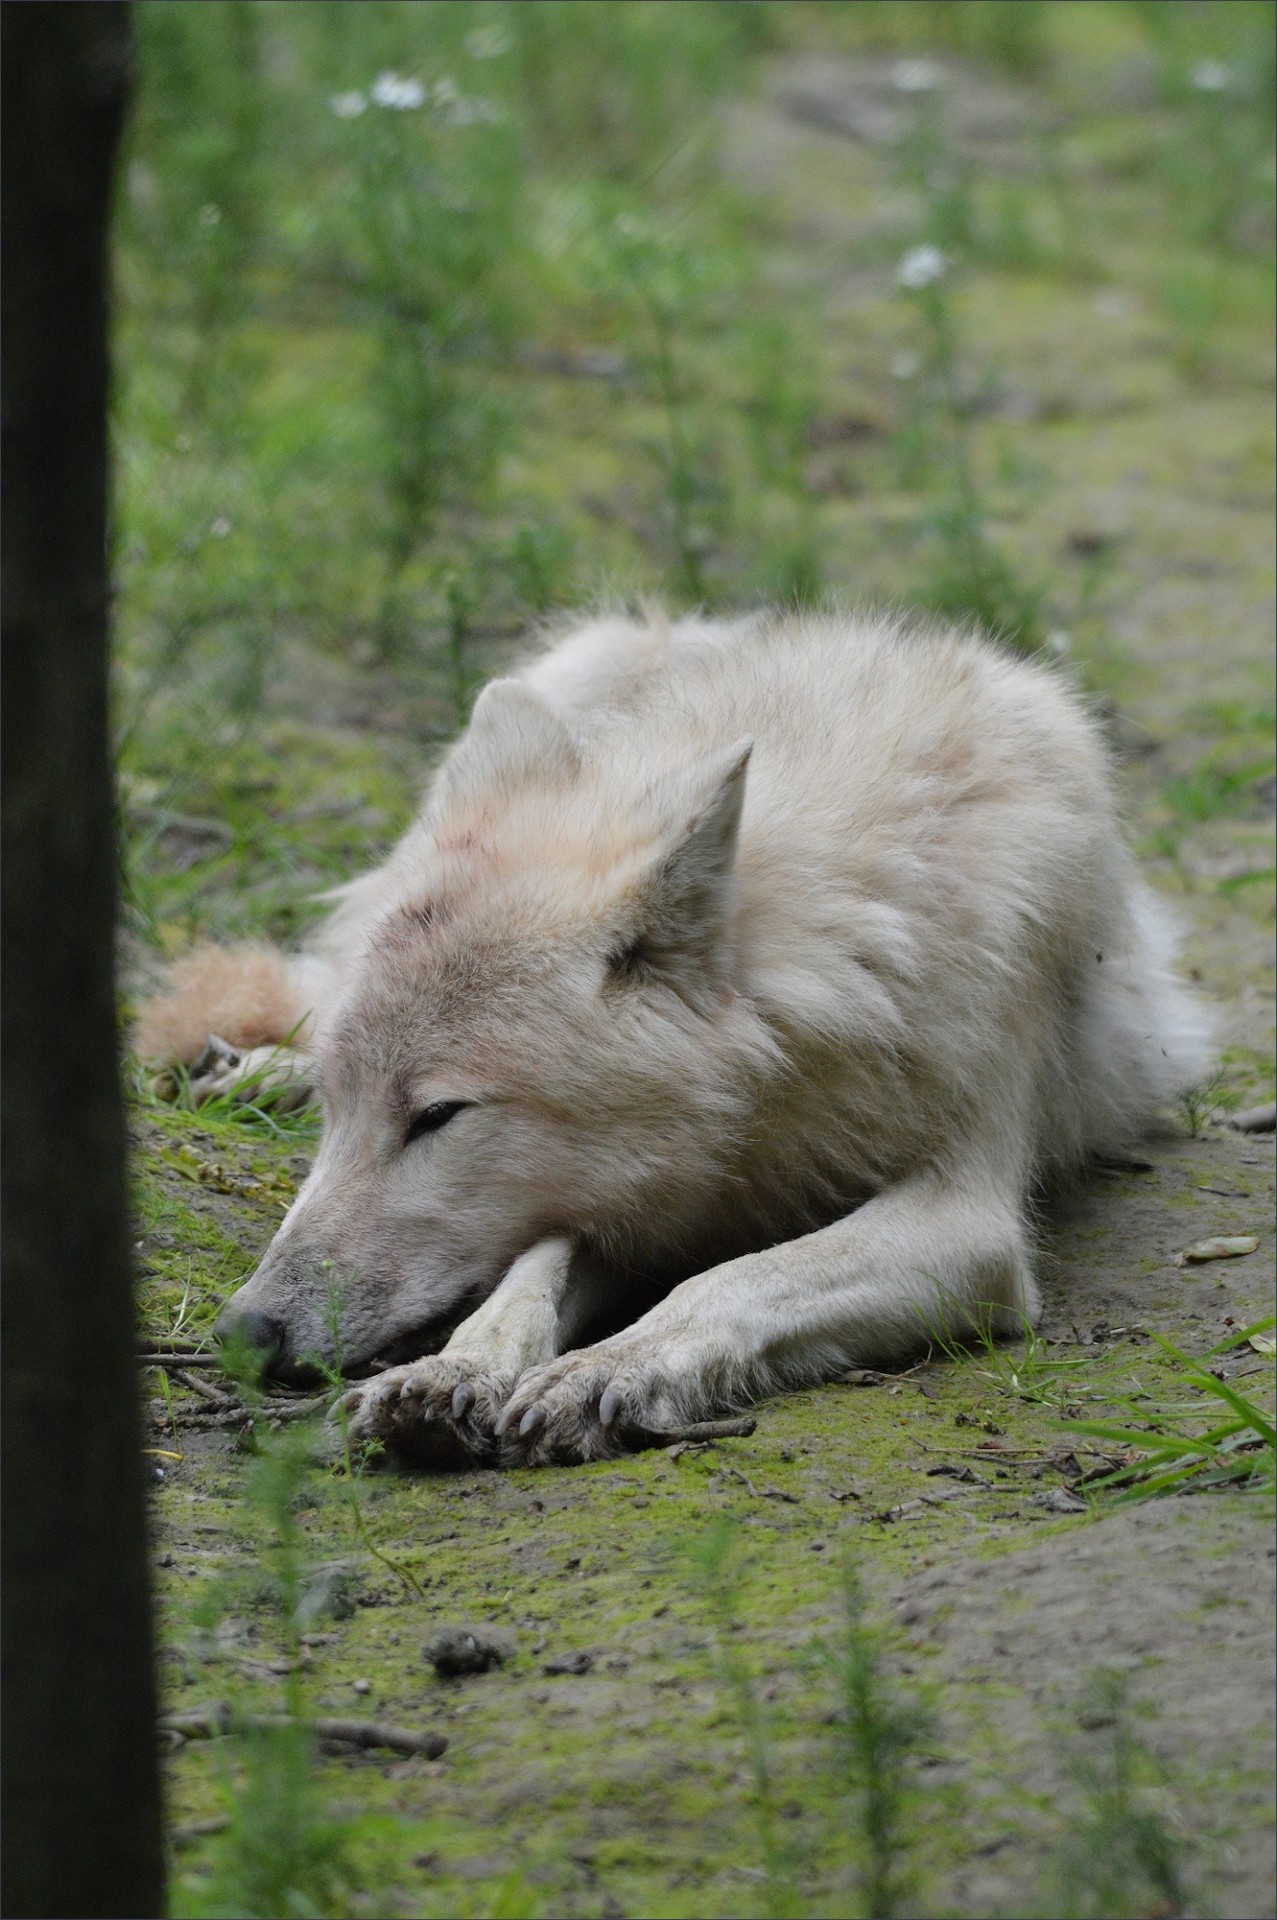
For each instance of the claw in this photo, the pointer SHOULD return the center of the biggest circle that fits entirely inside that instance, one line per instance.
(532, 1422)
(609, 1405)
(462, 1400)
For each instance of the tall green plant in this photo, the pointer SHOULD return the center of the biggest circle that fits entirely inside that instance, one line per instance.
(664, 279)
(195, 184)
(970, 578)
(430, 227)
(1121, 1858)
(715, 1565)
(283, 1852)
(880, 1731)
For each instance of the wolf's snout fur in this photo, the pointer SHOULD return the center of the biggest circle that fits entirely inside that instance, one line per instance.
(762, 969)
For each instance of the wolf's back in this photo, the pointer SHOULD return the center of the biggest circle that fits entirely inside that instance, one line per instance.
(931, 879)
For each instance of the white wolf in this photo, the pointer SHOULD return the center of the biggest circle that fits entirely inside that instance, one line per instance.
(765, 970)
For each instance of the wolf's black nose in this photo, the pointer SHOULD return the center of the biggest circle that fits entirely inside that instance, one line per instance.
(257, 1330)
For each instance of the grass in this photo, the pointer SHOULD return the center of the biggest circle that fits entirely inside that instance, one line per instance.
(285, 1852)
(1197, 1103)
(711, 1559)
(882, 1732)
(1164, 1446)
(1034, 1373)
(1122, 1857)
(1221, 1437)
(281, 1852)
(1119, 1850)
(335, 425)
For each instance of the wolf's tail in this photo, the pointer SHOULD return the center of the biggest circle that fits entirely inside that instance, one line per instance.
(1146, 1037)
(251, 996)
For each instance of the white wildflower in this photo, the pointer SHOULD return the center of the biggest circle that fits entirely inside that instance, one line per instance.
(488, 43)
(1113, 303)
(916, 76)
(457, 109)
(392, 90)
(472, 111)
(349, 106)
(209, 215)
(1211, 76)
(220, 527)
(921, 267)
(904, 366)
(1058, 642)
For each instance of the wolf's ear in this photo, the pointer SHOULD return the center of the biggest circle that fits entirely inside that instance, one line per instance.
(515, 738)
(684, 902)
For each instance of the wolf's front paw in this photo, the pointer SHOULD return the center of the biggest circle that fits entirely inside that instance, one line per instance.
(440, 1413)
(590, 1405)
(369, 1410)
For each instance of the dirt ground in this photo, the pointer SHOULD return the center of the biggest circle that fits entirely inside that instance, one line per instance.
(999, 1579)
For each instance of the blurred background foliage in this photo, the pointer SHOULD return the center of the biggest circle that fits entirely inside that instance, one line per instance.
(436, 317)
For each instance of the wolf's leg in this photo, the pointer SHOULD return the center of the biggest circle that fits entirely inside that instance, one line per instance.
(932, 1256)
(282, 1073)
(442, 1411)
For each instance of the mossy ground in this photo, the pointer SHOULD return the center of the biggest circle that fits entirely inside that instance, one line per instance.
(628, 1785)
(1128, 466)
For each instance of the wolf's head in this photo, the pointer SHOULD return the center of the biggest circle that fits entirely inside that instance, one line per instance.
(540, 1036)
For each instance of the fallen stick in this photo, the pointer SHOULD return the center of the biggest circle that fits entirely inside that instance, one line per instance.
(214, 1395)
(644, 1437)
(760, 1493)
(201, 1418)
(992, 1454)
(192, 1830)
(294, 1409)
(157, 1357)
(232, 1414)
(208, 1723)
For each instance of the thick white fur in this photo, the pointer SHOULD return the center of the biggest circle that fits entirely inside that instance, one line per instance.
(779, 963)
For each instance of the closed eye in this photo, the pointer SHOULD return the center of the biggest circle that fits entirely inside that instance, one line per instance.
(431, 1118)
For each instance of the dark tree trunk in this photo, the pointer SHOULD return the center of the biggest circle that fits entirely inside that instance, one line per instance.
(81, 1796)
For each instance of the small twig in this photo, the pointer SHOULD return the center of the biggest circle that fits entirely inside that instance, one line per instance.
(225, 1417)
(209, 1723)
(643, 1437)
(871, 1377)
(199, 1829)
(154, 1357)
(760, 1493)
(294, 1409)
(215, 1395)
